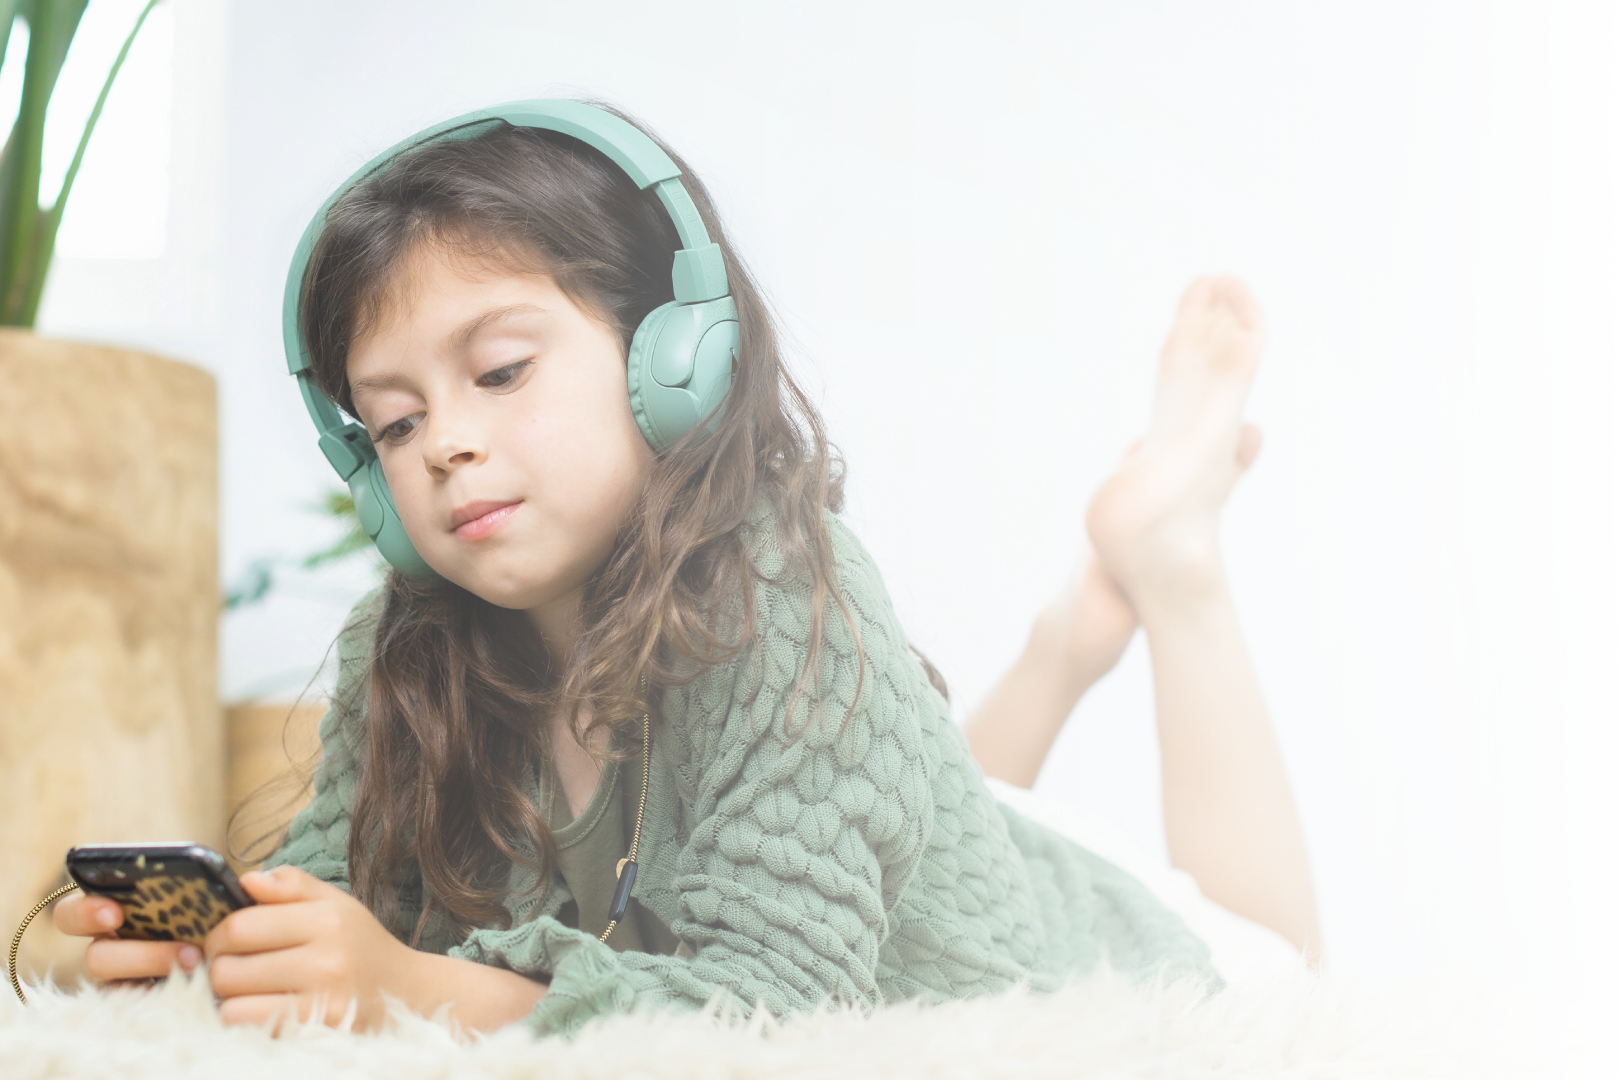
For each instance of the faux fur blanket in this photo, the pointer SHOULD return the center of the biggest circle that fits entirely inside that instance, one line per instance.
(1297, 1027)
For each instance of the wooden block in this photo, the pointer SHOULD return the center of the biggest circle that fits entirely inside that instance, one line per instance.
(110, 725)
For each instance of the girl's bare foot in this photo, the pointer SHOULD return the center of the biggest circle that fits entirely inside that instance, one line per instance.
(1154, 523)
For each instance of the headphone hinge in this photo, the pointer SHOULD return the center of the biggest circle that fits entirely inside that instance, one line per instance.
(699, 274)
(346, 448)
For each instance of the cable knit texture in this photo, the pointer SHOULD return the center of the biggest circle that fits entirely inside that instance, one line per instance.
(849, 851)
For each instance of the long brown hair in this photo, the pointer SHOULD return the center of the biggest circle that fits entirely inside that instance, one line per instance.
(460, 689)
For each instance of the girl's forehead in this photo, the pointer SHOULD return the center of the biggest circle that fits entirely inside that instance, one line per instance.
(439, 285)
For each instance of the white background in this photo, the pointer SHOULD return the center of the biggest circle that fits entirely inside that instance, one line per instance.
(975, 221)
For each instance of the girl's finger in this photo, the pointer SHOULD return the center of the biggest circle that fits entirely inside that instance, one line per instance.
(86, 916)
(279, 971)
(284, 884)
(259, 1009)
(255, 1008)
(107, 959)
(260, 929)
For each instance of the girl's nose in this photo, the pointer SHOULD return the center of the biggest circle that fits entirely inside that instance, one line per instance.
(450, 446)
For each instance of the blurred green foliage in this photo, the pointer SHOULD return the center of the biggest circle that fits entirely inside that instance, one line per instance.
(340, 505)
(259, 577)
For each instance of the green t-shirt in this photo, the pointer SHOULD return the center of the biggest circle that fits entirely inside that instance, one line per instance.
(589, 848)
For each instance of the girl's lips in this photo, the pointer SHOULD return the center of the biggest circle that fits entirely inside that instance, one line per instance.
(491, 516)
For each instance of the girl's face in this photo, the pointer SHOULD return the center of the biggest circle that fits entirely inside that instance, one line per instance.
(501, 415)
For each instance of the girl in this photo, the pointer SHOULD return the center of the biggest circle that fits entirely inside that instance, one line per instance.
(676, 674)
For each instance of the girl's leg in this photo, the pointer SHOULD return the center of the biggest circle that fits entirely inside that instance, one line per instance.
(1075, 641)
(1229, 815)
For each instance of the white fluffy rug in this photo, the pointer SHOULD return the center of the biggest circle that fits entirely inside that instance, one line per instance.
(1297, 1027)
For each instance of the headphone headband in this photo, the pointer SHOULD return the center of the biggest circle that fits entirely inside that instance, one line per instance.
(699, 272)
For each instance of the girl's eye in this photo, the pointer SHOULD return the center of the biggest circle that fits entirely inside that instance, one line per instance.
(399, 430)
(503, 376)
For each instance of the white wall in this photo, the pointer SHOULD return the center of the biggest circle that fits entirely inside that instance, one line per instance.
(975, 220)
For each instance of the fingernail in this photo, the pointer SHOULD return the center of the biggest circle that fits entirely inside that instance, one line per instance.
(190, 957)
(107, 917)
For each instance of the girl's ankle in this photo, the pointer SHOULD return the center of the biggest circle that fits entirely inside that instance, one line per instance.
(1178, 589)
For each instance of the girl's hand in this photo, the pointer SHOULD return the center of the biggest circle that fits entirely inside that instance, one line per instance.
(313, 948)
(110, 958)
(309, 946)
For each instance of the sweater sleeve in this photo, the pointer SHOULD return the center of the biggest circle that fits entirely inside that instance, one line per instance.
(317, 839)
(802, 833)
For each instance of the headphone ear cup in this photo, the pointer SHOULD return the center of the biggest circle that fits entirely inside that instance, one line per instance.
(712, 370)
(374, 505)
(679, 368)
(643, 387)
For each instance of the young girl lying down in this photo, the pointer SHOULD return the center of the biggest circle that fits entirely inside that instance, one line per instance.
(636, 724)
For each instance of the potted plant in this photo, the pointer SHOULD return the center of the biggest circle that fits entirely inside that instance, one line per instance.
(109, 720)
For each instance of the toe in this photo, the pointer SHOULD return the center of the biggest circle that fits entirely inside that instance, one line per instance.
(1218, 326)
(1198, 296)
(1233, 294)
(1248, 446)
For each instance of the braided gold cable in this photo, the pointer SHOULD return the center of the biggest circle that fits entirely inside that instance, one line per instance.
(646, 775)
(16, 939)
(641, 808)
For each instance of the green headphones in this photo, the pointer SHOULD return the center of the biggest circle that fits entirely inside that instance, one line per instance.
(680, 358)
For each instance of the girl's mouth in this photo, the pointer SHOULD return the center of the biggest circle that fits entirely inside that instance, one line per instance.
(478, 520)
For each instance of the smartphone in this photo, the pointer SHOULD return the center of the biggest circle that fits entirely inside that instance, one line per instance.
(169, 892)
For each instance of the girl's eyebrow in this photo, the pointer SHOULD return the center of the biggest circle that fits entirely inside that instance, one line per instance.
(383, 381)
(476, 325)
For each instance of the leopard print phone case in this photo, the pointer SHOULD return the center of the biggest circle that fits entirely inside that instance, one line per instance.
(169, 892)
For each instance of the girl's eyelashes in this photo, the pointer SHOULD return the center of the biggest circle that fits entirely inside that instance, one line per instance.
(498, 379)
(399, 430)
(504, 376)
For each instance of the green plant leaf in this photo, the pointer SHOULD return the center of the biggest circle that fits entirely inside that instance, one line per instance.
(252, 585)
(339, 504)
(258, 579)
(52, 219)
(8, 22)
(27, 230)
(8, 160)
(350, 544)
(8, 19)
(51, 26)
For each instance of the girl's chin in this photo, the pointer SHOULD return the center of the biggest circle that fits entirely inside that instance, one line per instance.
(517, 592)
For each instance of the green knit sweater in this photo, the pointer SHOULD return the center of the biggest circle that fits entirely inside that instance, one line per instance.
(859, 858)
